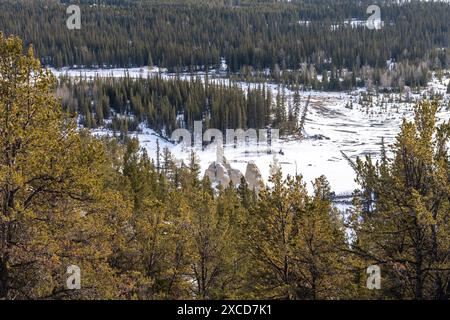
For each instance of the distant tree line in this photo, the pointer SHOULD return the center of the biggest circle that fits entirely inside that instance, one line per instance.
(167, 104)
(252, 35)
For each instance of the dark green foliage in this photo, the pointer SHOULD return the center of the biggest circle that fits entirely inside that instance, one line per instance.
(250, 35)
(165, 105)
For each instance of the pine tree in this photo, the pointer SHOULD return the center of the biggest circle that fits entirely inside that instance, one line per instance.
(209, 242)
(54, 212)
(297, 242)
(150, 60)
(236, 264)
(320, 248)
(406, 232)
(296, 109)
(245, 194)
(273, 222)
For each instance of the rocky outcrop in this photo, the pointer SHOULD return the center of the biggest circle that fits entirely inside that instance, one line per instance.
(253, 177)
(235, 176)
(218, 174)
(222, 174)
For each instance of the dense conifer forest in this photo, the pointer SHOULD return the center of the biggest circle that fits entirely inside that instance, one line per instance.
(304, 37)
(165, 105)
(149, 228)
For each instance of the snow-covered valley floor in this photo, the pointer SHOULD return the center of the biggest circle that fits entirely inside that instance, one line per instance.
(353, 123)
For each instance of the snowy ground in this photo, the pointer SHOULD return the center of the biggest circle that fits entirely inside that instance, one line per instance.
(117, 72)
(353, 123)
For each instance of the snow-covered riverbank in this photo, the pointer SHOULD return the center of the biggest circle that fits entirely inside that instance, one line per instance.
(336, 122)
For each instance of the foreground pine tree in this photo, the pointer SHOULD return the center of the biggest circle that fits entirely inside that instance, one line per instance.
(297, 242)
(53, 214)
(404, 226)
(140, 230)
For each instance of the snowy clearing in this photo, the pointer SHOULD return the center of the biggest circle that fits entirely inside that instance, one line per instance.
(353, 123)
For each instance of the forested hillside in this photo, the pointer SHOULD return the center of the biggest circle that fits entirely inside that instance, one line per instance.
(251, 35)
(358, 176)
(144, 229)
